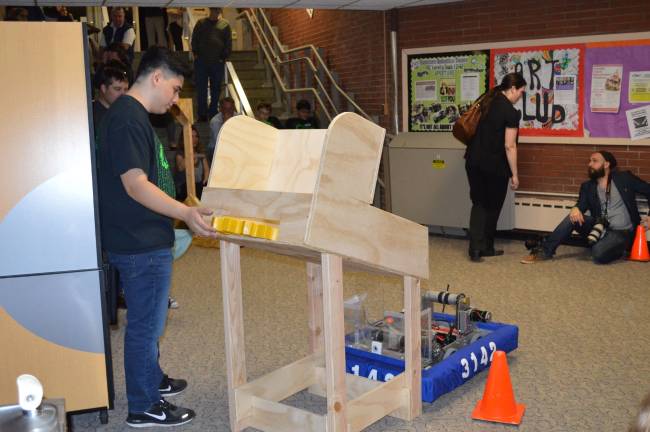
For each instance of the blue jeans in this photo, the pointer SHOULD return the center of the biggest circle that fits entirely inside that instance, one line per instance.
(612, 246)
(146, 279)
(202, 74)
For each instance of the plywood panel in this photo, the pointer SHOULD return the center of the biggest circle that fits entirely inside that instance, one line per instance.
(291, 210)
(244, 155)
(367, 234)
(255, 156)
(296, 160)
(351, 157)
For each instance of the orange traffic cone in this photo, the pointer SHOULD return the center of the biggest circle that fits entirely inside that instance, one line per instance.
(640, 247)
(498, 403)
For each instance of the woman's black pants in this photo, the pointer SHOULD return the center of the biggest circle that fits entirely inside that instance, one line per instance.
(487, 192)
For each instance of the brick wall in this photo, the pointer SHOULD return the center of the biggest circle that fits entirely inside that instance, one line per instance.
(357, 47)
(353, 44)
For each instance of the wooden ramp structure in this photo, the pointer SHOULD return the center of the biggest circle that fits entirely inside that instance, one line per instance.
(307, 194)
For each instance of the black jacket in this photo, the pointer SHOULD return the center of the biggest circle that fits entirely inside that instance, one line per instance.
(628, 186)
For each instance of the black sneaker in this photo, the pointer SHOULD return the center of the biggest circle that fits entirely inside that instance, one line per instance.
(171, 387)
(163, 414)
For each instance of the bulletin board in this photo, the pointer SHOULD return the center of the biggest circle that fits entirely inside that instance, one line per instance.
(563, 72)
(442, 86)
(550, 105)
(632, 59)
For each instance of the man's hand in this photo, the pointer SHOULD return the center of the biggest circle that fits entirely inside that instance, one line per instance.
(514, 182)
(576, 216)
(193, 217)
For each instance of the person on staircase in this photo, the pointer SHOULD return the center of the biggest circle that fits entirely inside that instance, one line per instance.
(211, 46)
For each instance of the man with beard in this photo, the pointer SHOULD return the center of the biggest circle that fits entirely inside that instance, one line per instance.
(610, 197)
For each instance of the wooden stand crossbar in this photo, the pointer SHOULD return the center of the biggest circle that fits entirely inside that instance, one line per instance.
(353, 403)
(314, 187)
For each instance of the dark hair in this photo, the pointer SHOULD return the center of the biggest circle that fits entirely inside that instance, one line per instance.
(263, 105)
(118, 48)
(509, 81)
(609, 158)
(303, 104)
(159, 58)
(181, 143)
(14, 13)
(215, 9)
(113, 70)
(227, 99)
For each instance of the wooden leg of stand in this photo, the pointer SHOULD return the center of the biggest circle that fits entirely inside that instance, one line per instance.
(332, 269)
(315, 300)
(233, 315)
(413, 342)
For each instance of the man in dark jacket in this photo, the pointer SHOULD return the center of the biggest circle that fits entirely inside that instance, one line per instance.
(610, 198)
(211, 45)
(118, 30)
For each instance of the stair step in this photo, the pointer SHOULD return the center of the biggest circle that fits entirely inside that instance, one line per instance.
(250, 74)
(260, 93)
(250, 55)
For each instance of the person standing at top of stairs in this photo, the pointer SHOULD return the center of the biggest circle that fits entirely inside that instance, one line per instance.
(211, 45)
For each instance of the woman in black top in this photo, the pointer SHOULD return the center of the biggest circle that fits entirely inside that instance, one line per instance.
(491, 160)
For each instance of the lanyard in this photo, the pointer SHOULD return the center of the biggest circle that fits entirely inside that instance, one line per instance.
(608, 192)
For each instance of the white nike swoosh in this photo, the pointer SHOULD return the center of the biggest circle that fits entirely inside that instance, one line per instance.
(162, 417)
(168, 388)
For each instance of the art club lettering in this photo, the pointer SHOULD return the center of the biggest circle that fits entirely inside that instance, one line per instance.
(544, 110)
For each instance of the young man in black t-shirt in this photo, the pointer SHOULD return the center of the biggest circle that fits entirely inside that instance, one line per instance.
(112, 82)
(304, 120)
(137, 206)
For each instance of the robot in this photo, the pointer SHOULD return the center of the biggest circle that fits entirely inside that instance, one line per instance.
(441, 337)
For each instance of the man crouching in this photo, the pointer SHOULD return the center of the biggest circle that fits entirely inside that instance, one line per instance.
(610, 198)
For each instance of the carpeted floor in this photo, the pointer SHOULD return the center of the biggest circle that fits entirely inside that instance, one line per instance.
(584, 342)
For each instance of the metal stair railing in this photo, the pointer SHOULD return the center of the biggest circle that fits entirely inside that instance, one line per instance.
(235, 90)
(276, 56)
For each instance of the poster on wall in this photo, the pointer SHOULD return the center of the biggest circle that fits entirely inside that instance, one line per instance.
(442, 87)
(553, 101)
(637, 122)
(606, 88)
(634, 57)
(639, 87)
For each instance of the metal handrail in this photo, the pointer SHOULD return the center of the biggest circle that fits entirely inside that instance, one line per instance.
(279, 79)
(238, 93)
(313, 49)
(273, 58)
(278, 59)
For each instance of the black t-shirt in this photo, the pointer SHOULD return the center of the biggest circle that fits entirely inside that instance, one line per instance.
(487, 148)
(127, 141)
(274, 121)
(298, 123)
(99, 110)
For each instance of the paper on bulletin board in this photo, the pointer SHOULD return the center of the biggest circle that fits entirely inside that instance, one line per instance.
(442, 87)
(606, 81)
(565, 89)
(545, 111)
(638, 123)
(639, 87)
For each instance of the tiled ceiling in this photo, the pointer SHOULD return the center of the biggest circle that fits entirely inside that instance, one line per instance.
(295, 4)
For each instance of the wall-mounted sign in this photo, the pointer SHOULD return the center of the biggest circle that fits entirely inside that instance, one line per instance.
(553, 101)
(442, 87)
